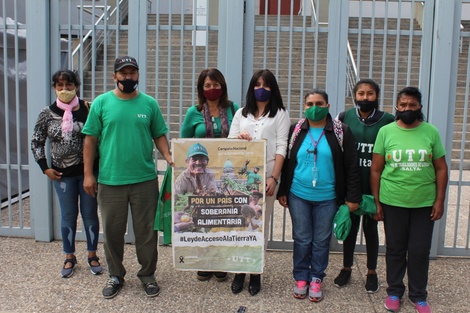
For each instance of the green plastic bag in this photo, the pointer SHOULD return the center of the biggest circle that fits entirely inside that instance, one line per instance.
(342, 223)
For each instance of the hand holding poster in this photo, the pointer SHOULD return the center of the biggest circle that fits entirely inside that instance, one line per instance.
(218, 205)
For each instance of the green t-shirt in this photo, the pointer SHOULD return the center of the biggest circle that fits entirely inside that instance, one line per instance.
(194, 126)
(408, 179)
(125, 130)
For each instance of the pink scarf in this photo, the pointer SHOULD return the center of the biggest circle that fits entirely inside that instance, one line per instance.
(67, 119)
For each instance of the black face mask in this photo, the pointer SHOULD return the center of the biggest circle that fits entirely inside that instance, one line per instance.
(367, 106)
(128, 85)
(409, 116)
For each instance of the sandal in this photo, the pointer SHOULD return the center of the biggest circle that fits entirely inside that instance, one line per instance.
(68, 272)
(95, 269)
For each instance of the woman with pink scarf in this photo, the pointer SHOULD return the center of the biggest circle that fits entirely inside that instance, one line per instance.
(62, 123)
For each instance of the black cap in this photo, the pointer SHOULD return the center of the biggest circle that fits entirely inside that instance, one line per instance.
(124, 61)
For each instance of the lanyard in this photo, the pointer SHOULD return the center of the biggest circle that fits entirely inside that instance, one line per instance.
(315, 152)
(315, 144)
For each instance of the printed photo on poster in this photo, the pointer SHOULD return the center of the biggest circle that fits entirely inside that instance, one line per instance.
(218, 192)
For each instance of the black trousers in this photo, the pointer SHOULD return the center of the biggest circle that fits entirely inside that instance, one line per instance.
(408, 233)
(369, 227)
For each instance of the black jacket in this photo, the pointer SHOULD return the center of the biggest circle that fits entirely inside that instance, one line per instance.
(346, 164)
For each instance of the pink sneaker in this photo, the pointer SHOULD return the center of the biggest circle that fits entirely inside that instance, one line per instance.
(315, 294)
(421, 306)
(392, 303)
(300, 289)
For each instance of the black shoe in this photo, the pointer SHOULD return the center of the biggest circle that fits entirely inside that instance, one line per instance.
(220, 276)
(255, 284)
(372, 283)
(202, 276)
(238, 282)
(152, 289)
(343, 278)
(113, 286)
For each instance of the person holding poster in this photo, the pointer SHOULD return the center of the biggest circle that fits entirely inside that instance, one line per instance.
(320, 173)
(125, 125)
(209, 118)
(263, 117)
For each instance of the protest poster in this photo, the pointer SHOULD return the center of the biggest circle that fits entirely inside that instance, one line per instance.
(218, 205)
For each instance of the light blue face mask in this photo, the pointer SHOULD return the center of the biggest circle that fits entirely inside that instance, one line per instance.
(316, 114)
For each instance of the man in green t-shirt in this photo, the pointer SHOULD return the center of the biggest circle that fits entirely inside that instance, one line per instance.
(123, 126)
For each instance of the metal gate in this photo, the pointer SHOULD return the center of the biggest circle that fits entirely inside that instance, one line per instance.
(327, 44)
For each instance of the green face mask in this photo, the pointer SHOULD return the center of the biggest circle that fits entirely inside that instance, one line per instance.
(316, 114)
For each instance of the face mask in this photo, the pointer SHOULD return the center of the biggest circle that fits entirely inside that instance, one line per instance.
(367, 106)
(128, 85)
(262, 94)
(409, 116)
(316, 114)
(213, 94)
(66, 96)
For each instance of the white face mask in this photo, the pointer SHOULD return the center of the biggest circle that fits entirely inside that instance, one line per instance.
(66, 96)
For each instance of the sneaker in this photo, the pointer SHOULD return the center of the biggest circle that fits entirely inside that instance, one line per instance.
(95, 269)
(300, 289)
(68, 272)
(220, 276)
(372, 283)
(314, 292)
(202, 276)
(152, 289)
(392, 303)
(421, 306)
(343, 278)
(113, 286)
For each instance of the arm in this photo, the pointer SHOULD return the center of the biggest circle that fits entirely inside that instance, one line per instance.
(89, 181)
(162, 145)
(38, 146)
(351, 166)
(235, 126)
(271, 182)
(187, 129)
(440, 167)
(378, 163)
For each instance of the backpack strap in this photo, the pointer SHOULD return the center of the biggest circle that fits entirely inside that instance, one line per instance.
(295, 133)
(338, 130)
(87, 105)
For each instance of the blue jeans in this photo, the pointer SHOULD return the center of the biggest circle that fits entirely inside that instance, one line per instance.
(69, 190)
(312, 224)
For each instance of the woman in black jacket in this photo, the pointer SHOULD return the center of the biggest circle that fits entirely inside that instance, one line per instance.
(320, 173)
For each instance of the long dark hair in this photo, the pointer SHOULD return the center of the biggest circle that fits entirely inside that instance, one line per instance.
(275, 101)
(214, 75)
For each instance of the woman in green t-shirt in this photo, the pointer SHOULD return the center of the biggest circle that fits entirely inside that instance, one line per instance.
(210, 118)
(408, 180)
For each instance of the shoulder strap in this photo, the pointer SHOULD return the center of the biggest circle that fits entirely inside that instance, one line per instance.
(338, 130)
(294, 135)
(87, 105)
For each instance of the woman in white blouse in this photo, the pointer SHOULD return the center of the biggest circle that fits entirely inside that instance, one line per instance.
(263, 117)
